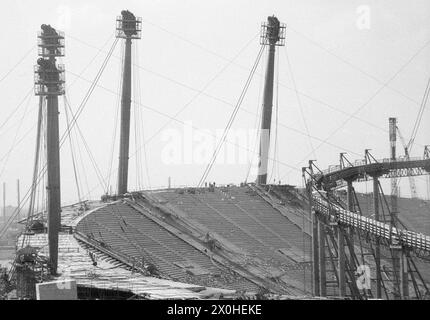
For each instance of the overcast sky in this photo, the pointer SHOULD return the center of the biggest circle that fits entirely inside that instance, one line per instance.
(354, 64)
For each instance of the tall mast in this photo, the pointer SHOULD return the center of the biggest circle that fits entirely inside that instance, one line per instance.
(393, 140)
(273, 34)
(50, 83)
(128, 27)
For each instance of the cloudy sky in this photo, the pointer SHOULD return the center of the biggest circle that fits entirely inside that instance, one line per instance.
(347, 67)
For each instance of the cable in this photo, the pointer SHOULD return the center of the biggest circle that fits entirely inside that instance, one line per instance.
(90, 91)
(300, 104)
(88, 149)
(362, 106)
(232, 117)
(340, 110)
(16, 108)
(15, 137)
(72, 151)
(118, 107)
(352, 65)
(257, 123)
(64, 136)
(17, 64)
(419, 117)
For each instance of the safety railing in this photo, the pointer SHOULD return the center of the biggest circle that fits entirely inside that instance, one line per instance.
(362, 162)
(379, 229)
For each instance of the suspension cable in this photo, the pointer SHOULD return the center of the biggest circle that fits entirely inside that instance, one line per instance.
(232, 117)
(419, 116)
(17, 64)
(72, 150)
(64, 136)
(299, 101)
(90, 91)
(257, 123)
(87, 148)
(141, 121)
(16, 136)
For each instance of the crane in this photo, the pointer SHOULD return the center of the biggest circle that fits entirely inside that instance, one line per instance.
(411, 178)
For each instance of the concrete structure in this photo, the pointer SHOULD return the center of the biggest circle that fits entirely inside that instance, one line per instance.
(57, 290)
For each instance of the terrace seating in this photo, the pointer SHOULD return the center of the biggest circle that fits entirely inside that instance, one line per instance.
(247, 221)
(127, 231)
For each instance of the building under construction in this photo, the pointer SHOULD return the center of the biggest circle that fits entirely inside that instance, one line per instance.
(252, 240)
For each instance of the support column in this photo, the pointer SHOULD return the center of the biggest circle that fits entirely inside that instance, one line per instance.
(341, 261)
(404, 275)
(377, 246)
(396, 252)
(53, 179)
(49, 83)
(125, 121)
(315, 253)
(266, 118)
(322, 260)
(350, 203)
(129, 28)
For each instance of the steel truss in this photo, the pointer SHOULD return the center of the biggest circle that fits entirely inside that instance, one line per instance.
(344, 239)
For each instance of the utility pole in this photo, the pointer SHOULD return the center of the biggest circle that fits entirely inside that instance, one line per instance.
(50, 83)
(272, 34)
(128, 27)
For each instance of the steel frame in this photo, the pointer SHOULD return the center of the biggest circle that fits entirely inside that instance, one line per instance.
(380, 240)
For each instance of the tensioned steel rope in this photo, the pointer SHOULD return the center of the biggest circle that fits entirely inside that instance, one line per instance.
(299, 101)
(141, 120)
(116, 121)
(257, 123)
(201, 91)
(87, 148)
(15, 137)
(342, 111)
(232, 117)
(419, 117)
(15, 110)
(246, 111)
(283, 85)
(72, 151)
(90, 91)
(362, 106)
(64, 136)
(350, 64)
(17, 64)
